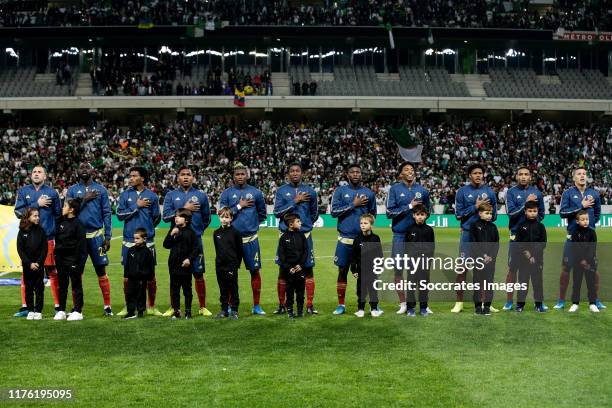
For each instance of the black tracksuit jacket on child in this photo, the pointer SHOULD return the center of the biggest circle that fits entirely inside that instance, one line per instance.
(32, 247)
(530, 237)
(70, 241)
(484, 240)
(139, 263)
(293, 251)
(584, 248)
(421, 240)
(138, 269)
(228, 247)
(182, 246)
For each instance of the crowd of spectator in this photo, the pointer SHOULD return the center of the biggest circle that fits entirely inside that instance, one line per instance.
(551, 150)
(125, 73)
(571, 15)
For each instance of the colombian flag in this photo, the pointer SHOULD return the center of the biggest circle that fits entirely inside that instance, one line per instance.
(239, 98)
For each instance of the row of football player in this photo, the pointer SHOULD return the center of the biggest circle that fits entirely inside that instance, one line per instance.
(138, 208)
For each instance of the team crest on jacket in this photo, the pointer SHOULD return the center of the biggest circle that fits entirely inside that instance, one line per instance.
(418, 195)
(590, 197)
(249, 196)
(194, 199)
(484, 196)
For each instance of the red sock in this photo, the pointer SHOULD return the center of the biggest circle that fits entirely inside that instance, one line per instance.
(152, 291)
(105, 288)
(256, 287)
(458, 279)
(200, 286)
(310, 287)
(341, 290)
(280, 288)
(563, 283)
(54, 282)
(400, 293)
(23, 297)
(125, 289)
(510, 278)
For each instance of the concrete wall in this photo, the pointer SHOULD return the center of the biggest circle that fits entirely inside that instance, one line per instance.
(436, 104)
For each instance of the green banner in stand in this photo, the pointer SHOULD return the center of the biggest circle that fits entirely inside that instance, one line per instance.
(436, 221)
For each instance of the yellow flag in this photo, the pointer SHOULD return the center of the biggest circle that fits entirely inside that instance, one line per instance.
(9, 227)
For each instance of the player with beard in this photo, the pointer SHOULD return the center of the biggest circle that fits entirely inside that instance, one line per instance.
(44, 198)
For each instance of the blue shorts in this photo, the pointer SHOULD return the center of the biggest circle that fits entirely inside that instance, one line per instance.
(251, 255)
(94, 249)
(124, 251)
(199, 266)
(342, 258)
(310, 260)
(464, 244)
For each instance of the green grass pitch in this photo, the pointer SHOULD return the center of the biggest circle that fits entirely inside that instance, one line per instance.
(445, 360)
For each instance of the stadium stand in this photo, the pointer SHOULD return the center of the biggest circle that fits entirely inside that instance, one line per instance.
(165, 78)
(26, 82)
(362, 80)
(324, 149)
(523, 83)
